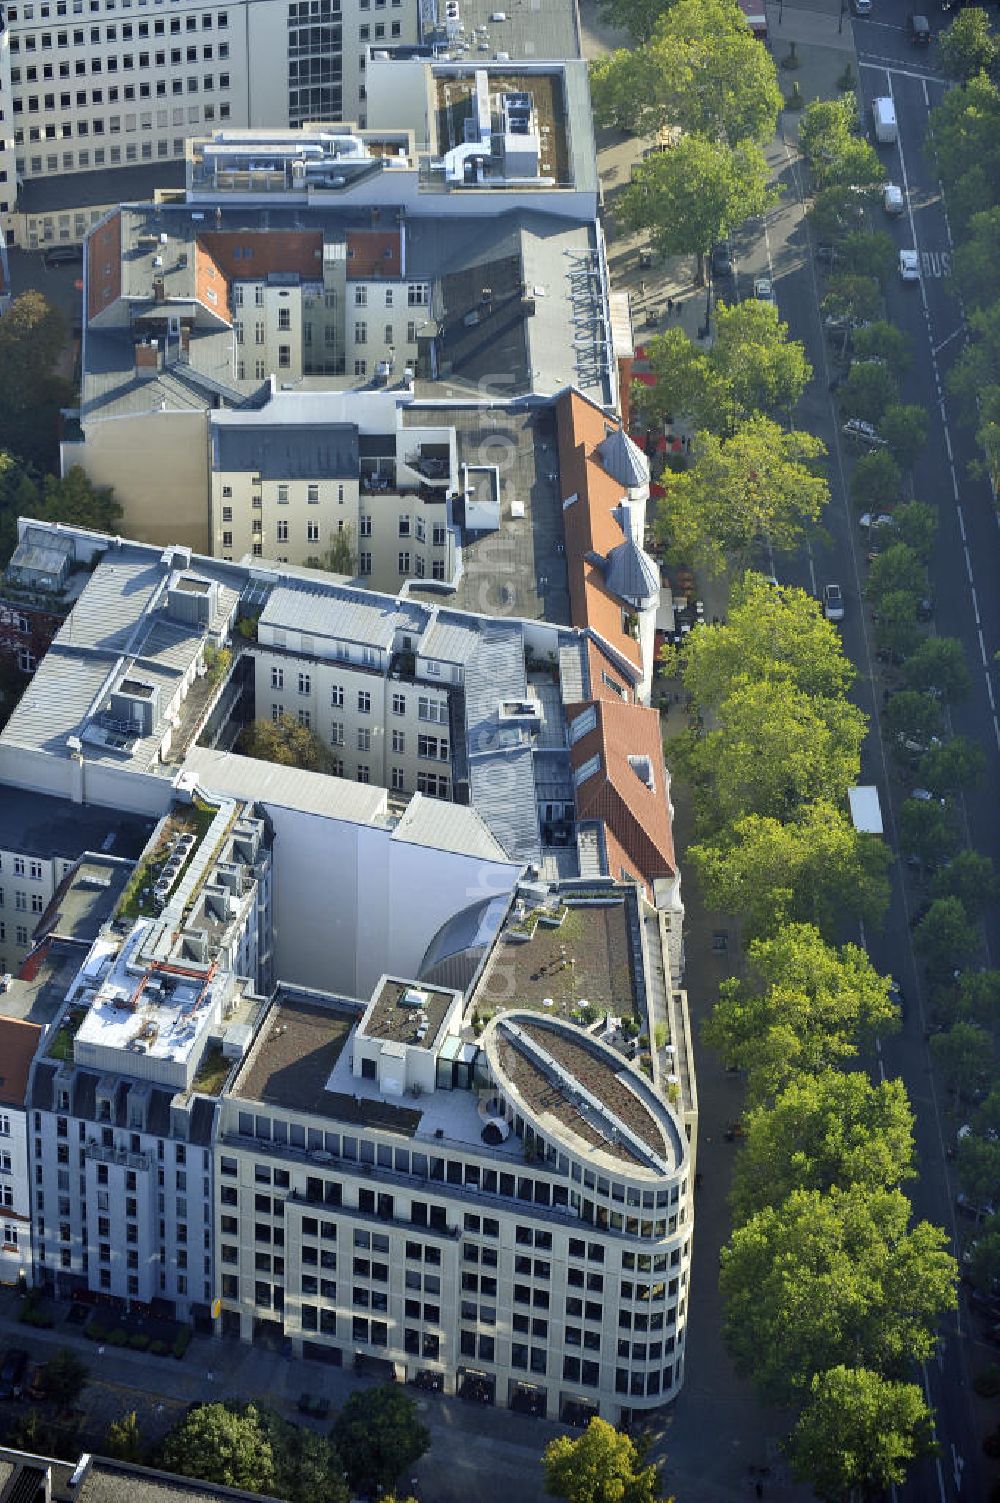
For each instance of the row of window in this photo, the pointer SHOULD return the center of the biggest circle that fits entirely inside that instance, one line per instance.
(177, 55)
(21, 901)
(99, 158)
(37, 133)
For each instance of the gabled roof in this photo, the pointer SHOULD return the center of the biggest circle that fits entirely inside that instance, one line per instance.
(18, 1042)
(626, 789)
(623, 459)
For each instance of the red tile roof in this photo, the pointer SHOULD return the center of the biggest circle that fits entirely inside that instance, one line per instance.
(589, 523)
(104, 266)
(638, 833)
(18, 1042)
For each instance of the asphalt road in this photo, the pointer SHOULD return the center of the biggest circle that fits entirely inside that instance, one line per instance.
(964, 572)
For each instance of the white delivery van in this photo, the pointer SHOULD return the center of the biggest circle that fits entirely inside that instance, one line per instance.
(884, 115)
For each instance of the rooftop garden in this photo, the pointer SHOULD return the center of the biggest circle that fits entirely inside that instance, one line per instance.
(212, 1072)
(139, 900)
(569, 962)
(61, 1042)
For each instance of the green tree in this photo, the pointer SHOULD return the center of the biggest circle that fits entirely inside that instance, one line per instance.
(896, 630)
(286, 742)
(876, 480)
(904, 428)
(964, 1052)
(911, 714)
(341, 557)
(858, 1433)
(968, 46)
(814, 869)
(868, 391)
(833, 1278)
(701, 70)
(600, 1466)
(32, 336)
(767, 634)
(18, 498)
(76, 501)
(896, 570)
(945, 938)
(775, 750)
(977, 268)
(693, 195)
(957, 766)
(938, 667)
(979, 996)
(852, 298)
(964, 131)
(884, 341)
(751, 367)
(378, 1435)
(977, 1168)
(984, 1262)
(307, 1466)
(926, 831)
(837, 155)
(916, 524)
(834, 1128)
(123, 1439)
(863, 253)
(637, 17)
(63, 1378)
(762, 480)
(805, 1008)
(224, 1445)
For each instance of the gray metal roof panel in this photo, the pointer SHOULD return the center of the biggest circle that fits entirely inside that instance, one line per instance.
(312, 451)
(341, 615)
(449, 637)
(287, 787)
(447, 827)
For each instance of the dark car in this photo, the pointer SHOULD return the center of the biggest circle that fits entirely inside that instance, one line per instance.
(920, 30)
(722, 260)
(63, 255)
(15, 1364)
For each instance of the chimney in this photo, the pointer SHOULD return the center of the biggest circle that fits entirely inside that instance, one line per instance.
(159, 291)
(147, 358)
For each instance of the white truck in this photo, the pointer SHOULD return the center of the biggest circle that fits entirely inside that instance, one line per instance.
(884, 116)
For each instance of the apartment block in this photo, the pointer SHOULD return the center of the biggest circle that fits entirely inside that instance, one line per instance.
(18, 1042)
(97, 87)
(361, 1062)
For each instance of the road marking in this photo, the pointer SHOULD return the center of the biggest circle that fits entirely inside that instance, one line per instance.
(948, 339)
(968, 564)
(982, 648)
(888, 65)
(927, 102)
(989, 689)
(961, 521)
(996, 731)
(957, 1466)
(935, 264)
(954, 477)
(975, 601)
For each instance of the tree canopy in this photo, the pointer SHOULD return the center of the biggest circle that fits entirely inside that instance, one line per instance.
(750, 367)
(815, 868)
(378, 1436)
(32, 336)
(834, 1128)
(968, 47)
(830, 1279)
(806, 1007)
(857, 1434)
(221, 1444)
(600, 1466)
(701, 70)
(694, 194)
(761, 481)
(286, 742)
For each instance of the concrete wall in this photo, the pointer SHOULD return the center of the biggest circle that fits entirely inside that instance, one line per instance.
(157, 464)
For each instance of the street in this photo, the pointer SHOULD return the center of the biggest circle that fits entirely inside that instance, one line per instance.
(963, 570)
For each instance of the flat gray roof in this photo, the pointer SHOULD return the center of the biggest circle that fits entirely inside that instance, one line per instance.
(280, 452)
(535, 30)
(289, 787)
(40, 825)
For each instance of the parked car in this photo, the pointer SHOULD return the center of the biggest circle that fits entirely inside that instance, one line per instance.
(920, 29)
(12, 1371)
(925, 796)
(909, 266)
(763, 290)
(722, 260)
(63, 255)
(898, 996)
(863, 432)
(893, 199)
(861, 7)
(879, 519)
(833, 602)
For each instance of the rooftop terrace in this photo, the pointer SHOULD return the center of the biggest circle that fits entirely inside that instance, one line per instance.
(404, 1013)
(563, 961)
